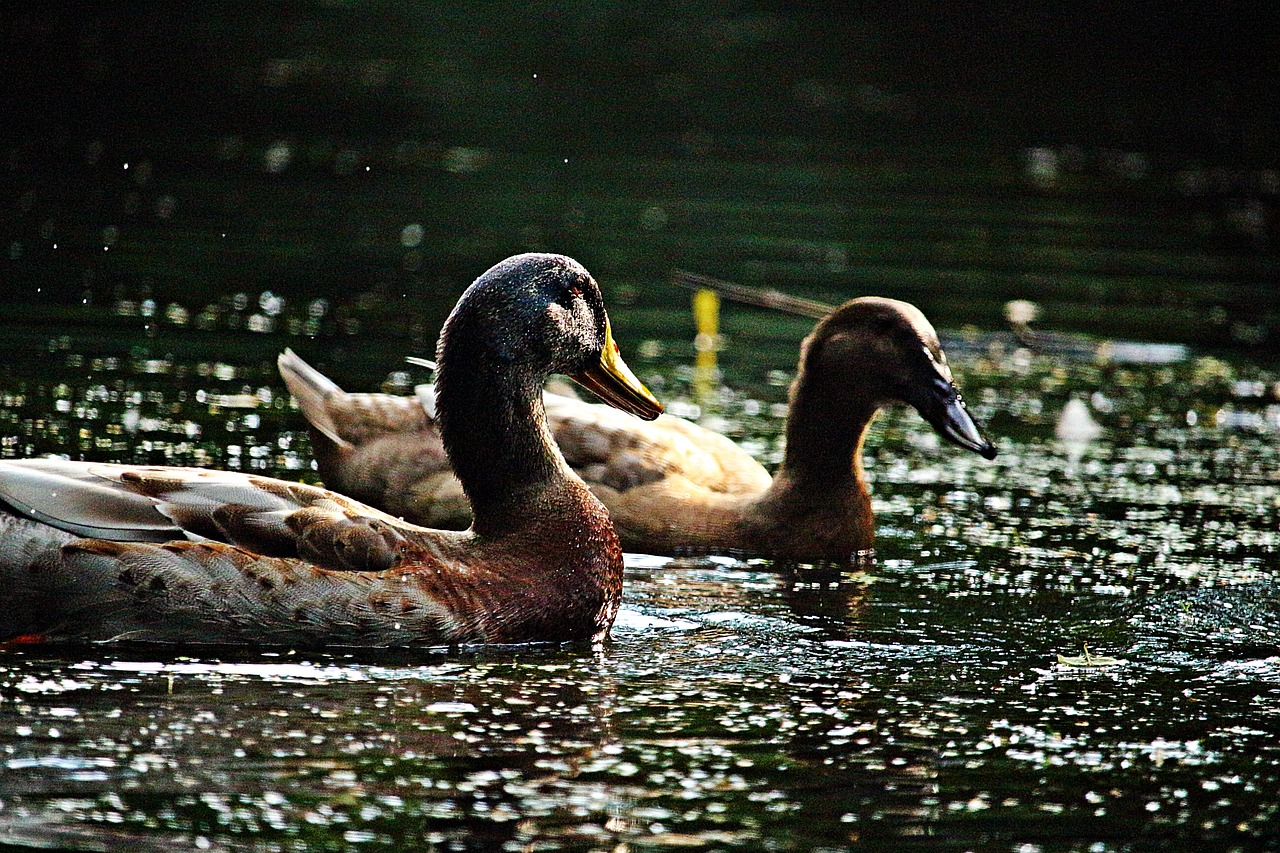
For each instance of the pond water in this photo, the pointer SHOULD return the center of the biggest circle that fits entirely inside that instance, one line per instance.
(932, 698)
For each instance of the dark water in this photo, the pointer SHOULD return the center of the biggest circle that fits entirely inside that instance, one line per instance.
(916, 701)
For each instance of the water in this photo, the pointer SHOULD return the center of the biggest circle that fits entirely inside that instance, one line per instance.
(920, 699)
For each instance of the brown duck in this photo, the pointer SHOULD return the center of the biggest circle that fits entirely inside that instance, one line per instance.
(673, 487)
(118, 552)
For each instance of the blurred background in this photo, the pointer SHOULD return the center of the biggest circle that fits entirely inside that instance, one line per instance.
(319, 168)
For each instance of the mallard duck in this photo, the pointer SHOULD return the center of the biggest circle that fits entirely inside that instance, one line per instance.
(671, 486)
(190, 555)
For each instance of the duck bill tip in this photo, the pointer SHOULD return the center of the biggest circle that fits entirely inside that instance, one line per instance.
(958, 427)
(612, 381)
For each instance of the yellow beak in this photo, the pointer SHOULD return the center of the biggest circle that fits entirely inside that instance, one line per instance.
(613, 382)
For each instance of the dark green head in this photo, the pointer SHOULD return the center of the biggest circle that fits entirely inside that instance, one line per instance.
(537, 314)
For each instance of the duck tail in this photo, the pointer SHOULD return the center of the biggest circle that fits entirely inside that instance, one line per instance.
(26, 549)
(311, 389)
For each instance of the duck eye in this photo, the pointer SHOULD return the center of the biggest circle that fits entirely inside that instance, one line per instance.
(571, 299)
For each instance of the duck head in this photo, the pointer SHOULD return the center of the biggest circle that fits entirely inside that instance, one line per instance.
(871, 352)
(537, 314)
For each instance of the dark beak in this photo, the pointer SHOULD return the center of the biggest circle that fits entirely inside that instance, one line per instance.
(938, 401)
(613, 382)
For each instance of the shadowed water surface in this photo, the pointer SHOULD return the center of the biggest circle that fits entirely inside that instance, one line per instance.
(918, 700)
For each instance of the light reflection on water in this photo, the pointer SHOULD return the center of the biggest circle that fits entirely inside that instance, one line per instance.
(738, 706)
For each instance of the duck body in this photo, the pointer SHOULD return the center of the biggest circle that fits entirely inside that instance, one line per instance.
(290, 564)
(671, 486)
(95, 552)
(384, 449)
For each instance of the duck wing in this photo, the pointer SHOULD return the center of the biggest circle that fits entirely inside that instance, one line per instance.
(129, 503)
(74, 497)
(212, 557)
(609, 449)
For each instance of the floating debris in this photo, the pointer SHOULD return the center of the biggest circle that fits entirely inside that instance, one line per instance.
(1089, 660)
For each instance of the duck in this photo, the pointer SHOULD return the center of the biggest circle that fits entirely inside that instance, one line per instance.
(673, 487)
(95, 552)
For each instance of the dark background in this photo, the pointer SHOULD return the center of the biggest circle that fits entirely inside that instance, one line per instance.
(1188, 79)
(1114, 162)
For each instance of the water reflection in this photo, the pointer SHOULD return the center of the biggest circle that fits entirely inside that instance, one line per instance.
(336, 750)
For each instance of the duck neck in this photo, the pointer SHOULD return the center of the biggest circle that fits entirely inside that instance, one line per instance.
(823, 459)
(818, 506)
(824, 445)
(494, 428)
